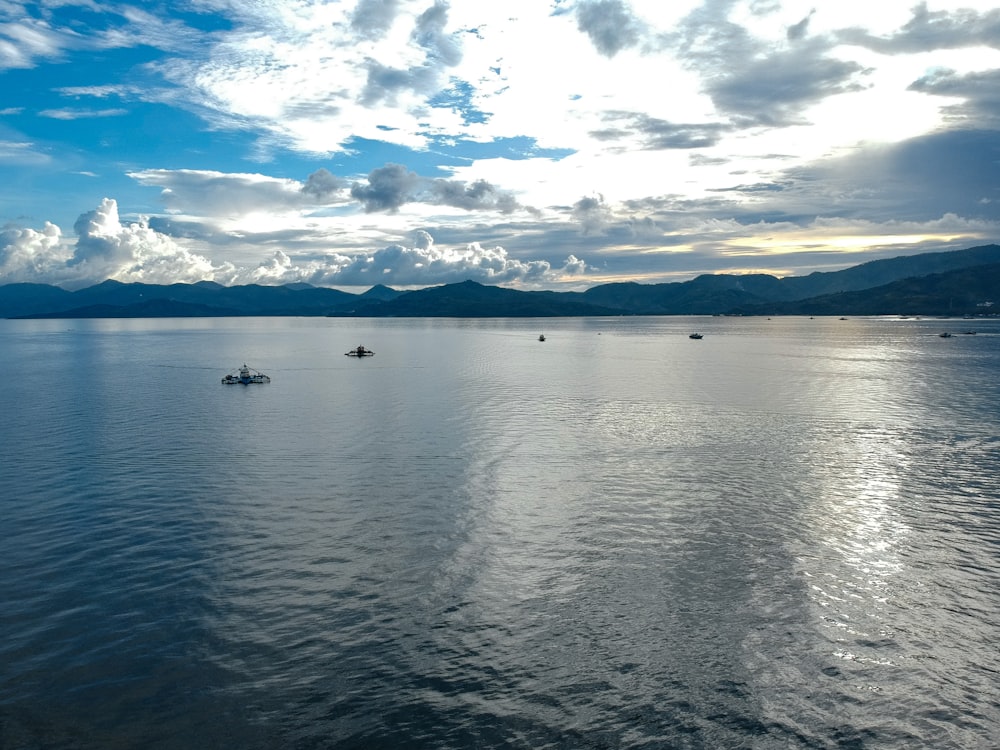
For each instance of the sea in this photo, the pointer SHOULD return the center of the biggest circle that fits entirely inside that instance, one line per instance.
(783, 535)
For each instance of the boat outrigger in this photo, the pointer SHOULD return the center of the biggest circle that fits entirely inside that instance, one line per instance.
(360, 351)
(245, 376)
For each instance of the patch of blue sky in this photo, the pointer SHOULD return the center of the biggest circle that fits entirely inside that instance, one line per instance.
(458, 98)
(516, 148)
(140, 134)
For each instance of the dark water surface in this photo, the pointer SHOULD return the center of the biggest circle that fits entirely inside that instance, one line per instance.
(785, 535)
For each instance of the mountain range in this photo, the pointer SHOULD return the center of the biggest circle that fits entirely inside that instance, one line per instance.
(960, 282)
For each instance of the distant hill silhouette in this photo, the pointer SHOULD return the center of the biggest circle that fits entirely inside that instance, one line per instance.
(966, 291)
(957, 282)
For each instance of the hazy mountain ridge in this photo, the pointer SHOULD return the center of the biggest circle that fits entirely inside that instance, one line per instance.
(957, 282)
(965, 291)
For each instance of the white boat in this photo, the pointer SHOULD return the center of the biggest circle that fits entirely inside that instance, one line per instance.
(360, 351)
(245, 376)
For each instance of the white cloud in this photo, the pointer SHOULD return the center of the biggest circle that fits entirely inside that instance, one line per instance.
(22, 152)
(134, 252)
(81, 114)
(106, 248)
(231, 196)
(27, 255)
(671, 119)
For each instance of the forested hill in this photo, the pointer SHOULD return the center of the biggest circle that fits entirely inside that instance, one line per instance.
(960, 282)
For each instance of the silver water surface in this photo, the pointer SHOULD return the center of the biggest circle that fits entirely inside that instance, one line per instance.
(783, 535)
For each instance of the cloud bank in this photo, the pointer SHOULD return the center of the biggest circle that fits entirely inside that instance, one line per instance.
(107, 248)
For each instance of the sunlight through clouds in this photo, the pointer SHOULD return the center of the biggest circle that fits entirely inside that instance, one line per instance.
(273, 135)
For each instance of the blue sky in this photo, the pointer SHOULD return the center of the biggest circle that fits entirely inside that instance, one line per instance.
(531, 144)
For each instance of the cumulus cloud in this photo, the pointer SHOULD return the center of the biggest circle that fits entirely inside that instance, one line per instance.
(593, 214)
(425, 264)
(475, 196)
(373, 18)
(27, 255)
(107, 248)
(219, 208)
(324, 187)
(388, 188)
(422, 240)
(610, 24)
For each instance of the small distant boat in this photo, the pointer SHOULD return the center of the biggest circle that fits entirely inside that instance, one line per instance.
(695, 336)
(945, 335)
(245, 376)
(541, 337)
(360, 351)
(969, 333)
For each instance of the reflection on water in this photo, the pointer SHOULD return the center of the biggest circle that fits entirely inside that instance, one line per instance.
(782, 535)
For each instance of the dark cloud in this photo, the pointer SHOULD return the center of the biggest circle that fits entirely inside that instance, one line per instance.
(384, 83)
(656, 134)
(388, 188)
(773, 90)
(710, 43)
(430, 34)
(593, 214)
(799, 30)
(393, 185)
(323, 187)
(478, 195)
(441, 50)
(980, 94)
(610, 25)
(930, 30)
(372, 18)
(752, 82)
(921, 179)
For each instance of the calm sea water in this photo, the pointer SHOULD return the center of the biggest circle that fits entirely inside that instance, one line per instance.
(785, 535)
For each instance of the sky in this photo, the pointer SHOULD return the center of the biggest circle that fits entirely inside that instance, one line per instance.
(534, 144)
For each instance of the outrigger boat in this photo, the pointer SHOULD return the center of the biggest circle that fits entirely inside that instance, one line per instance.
(360, 351)
(245, 376)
